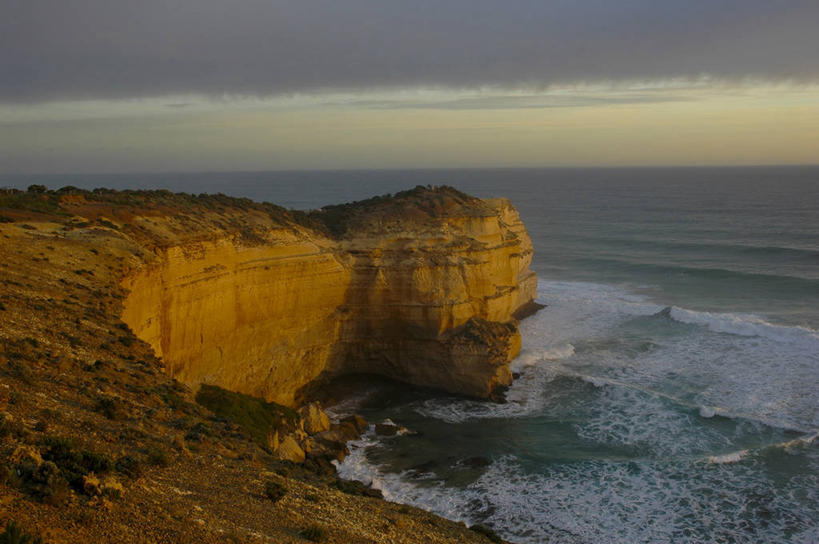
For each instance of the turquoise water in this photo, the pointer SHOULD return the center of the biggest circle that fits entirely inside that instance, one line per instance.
(669, 392)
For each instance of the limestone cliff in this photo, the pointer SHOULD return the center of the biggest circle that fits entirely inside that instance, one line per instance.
(98, 444)
(421, 287)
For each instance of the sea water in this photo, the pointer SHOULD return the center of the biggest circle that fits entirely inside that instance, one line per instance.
(669, 391)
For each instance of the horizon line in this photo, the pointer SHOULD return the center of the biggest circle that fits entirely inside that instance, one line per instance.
(412, 169)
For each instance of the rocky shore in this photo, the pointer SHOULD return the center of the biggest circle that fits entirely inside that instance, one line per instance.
(158, 351)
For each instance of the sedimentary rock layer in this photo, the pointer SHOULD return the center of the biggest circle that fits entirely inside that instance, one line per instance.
(421, 287)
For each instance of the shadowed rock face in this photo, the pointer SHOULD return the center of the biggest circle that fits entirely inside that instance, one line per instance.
(421, 287)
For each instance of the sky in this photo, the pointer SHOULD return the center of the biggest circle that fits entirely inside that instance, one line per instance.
(194, 85)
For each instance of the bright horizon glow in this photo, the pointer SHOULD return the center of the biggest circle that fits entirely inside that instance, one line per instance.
(660, 123)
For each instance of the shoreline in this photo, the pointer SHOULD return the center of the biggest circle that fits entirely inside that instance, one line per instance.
(672, 433)
(151, 456)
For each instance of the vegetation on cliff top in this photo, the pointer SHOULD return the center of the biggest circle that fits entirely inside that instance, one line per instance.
(116, 209)
(414, 205)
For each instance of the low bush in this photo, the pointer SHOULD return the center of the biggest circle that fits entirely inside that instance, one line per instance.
(44, 482)
(14, 534)
(158, 456)
(74, 463)
(275, 490)
(354, 487)
(111, 407)
(11, 426)
(312, 497)
(21, 371)
(129, 466)
(314, 533)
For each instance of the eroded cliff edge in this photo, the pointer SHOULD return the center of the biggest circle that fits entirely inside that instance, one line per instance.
(99, 444)
(422, 287)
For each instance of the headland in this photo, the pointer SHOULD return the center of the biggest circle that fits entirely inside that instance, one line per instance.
(160, 353)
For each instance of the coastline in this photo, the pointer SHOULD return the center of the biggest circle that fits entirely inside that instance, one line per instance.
(625, 390)
(63, 340)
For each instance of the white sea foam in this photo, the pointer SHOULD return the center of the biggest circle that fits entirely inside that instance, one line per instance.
(797, 444)
(576, 311)
(531, 357)
(657, 400)
(792, 446)
(579, 310)
(432, 496)
(739, 365)
(747, 325)
(558, 352)
(736, 376)
(612, 502)
(525, 397)
(646, 502)
(347, 406)
(648, 423)
(733, 457)
(754, 375)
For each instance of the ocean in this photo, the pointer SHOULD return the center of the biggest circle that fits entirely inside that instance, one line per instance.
(669, 391)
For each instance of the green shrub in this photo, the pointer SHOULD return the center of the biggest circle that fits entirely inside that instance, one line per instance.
(21, 371)
(34, 201)
(72, 462)
(354, 487)
(158, 456)
(44, 482)
(14, 534)
(255, 416)
(175, 401)
(199, 432)
(314, 533)
(106, 223)
(312, 497)
(111, 407)
(129, 466)
(10, 426)
(275, 490)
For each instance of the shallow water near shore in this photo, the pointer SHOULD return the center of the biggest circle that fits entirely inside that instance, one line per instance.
(625, 425)
(669, 392)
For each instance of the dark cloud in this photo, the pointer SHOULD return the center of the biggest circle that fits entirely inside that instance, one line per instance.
(52, 49)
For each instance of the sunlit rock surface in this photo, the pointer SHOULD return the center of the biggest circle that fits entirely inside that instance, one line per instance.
(421, 287)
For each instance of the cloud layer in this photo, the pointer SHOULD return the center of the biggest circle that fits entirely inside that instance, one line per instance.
(56, 49)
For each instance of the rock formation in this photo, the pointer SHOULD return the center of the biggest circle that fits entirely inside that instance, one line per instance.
(251, 296)
(422, 287)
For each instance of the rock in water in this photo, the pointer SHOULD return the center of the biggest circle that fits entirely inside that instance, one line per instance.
(357, 421)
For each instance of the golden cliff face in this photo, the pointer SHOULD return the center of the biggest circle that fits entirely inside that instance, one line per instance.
(421, 288)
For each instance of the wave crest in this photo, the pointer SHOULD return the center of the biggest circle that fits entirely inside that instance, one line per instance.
(742, 325)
